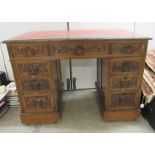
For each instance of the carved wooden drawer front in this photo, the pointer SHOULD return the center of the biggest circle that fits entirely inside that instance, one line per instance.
(32, 69)
(119, 82)
(123, 100)
(126, 66)
(79, 49)
(129, 48)
(41, 103)
(28, 50)
(36, 85)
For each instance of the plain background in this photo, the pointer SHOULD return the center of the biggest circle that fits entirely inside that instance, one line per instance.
(86, 68)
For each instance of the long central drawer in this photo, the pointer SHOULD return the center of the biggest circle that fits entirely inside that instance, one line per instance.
(77, 49)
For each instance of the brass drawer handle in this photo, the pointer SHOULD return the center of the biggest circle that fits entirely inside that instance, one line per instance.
(128, 49)
(33, 70)
(79, 49)
(35, 85)
(123, 82)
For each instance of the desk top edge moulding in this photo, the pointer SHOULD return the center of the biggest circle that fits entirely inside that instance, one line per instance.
(35, 59)
(109, 34)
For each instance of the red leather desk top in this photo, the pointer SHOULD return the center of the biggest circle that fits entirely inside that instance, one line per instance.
(78, 34)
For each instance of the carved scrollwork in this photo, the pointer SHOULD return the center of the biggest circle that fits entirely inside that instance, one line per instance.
(98, 48)
(60, 49)
(124, 82)
(123, 99)
(40, 103)
(125, 67)
(53, 49)
(127, 49)
(32, 69)
(29, 51)
(35, 85)
(79, 49)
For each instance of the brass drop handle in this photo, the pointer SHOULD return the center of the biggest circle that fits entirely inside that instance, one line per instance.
(123, 82)
(128, 49)
(79, 49)
(35, 85)
(33, 70)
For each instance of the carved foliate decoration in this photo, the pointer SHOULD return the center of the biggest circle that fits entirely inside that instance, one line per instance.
(98, 48)
(38, 103)
(126, 49)
(124, 82)
(77, 49)
(35, 85)
(29, 51)
(125, 67)
(51, 50)
(33, 69)
(122, 99)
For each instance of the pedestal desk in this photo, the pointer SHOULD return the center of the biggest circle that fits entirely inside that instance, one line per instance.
(35, 59)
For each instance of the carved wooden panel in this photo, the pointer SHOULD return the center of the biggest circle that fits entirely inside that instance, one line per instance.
(61, 49)
(121, 100)
(124, 82)
(128, 48)
(38, 103)
(35, 85)
(80, 49)
(126, 66)
(28, 50)
(101, 48)
(32, 69)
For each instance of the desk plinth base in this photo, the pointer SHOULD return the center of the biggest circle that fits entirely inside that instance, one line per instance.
(121, 115)
(39, 118)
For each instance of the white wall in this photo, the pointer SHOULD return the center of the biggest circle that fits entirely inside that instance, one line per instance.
(83, 70)
(147, 29)
(102, 25)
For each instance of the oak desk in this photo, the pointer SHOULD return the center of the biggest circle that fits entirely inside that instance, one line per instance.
(35, 58)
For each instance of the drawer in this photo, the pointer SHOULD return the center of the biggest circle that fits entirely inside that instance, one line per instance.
(123, 100)
(28, 50)
(124, 82)
(80, 49)
(123, 67)
(38, 103)
(129, 48)
(60, 49)
(32, 69)
(35, 85)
